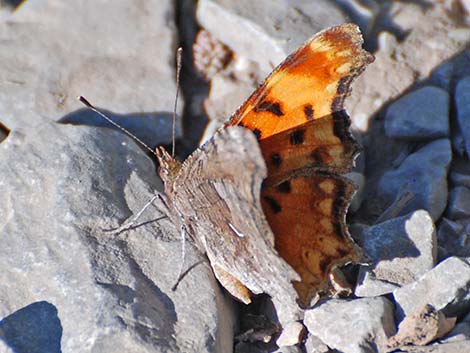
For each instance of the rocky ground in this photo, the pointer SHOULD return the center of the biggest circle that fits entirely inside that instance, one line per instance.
(70, 284)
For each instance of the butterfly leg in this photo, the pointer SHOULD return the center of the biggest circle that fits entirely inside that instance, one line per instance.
(131, 223)
(183, 255)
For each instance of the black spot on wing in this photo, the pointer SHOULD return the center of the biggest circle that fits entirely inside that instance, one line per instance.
(268, 106)
(324, 263)
(273, 204)
(257, 133)
(297, 137)
(308, 111)
(284, 187)
(319, 155)
(343, 253)
(275, 159)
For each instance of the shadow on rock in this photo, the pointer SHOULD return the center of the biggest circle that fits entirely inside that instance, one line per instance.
(152, 128)
(35, 328)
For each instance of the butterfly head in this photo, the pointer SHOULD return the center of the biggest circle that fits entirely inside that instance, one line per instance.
(169, 166)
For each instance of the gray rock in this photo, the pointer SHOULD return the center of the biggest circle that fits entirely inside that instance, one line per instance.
(64, 186)
(369, 286)
(88, 49)
(401, 249)
(37, 325)
(458, 142)
(424, 173)
(459, 203)
(353, 326)
(70, 185)
(459, 174)
(419, 115)
(246, 347)
(446, 74)
(438, 36)
(289, 349)
(452, 347)
(279, 27)
(315, 345)
(462, 105)
(454, 237)
(446, 287)
(461, 332)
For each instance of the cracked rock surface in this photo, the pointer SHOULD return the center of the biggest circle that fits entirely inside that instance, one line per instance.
(68, 283)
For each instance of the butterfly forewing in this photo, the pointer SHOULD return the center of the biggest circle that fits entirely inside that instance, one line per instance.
(310, 84)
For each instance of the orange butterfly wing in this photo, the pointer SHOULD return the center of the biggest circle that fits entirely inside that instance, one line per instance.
(311, 83)
(297, 115)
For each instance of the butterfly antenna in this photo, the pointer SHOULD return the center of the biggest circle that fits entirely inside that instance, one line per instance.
(179, 54)
(111, 121)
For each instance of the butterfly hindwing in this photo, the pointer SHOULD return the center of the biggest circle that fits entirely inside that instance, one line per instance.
(307, 215)
(320, 145)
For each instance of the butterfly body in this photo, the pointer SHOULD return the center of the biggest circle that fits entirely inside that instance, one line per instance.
(264, 198)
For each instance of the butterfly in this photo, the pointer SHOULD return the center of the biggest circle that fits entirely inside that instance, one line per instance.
(264, 198)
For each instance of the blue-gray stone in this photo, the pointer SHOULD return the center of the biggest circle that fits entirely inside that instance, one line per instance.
(423, 173)
(462, 104)
(459, 203)
(419, 115)
(401, 249)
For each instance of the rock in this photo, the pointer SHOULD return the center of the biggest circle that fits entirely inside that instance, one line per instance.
(226, 96)
(289, 349)
(402, 249)
(419, 328)
(446, 287)
(424, 173)
(399, 64)
(314, 345)
(33, 328)
(446, 74)
(459, 174)
(454, 237)
(369, 286)
(353, 326)
(419, 115)
(458, 143)
(57, 203)
(152, 129)
(124, 70)
(291, 335)
(453, 347)
(459, 203)
(462, 106)
(279, 27)
(461, 332)
(246, 347)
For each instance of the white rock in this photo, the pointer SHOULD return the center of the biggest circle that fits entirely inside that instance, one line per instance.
(446, 287)
(352, 326)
